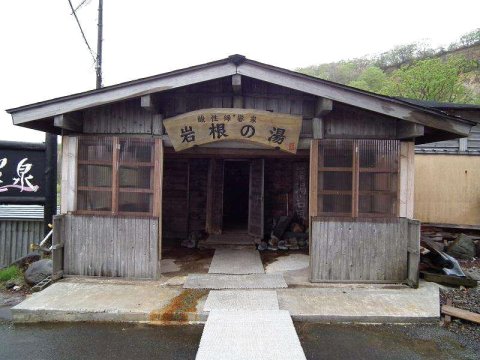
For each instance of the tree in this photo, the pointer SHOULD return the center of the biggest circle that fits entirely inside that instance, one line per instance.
(371, 79)
(433, 79)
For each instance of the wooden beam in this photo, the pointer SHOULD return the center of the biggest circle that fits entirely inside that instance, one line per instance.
(409, 130)
(461, 314)
(358, 98)
(71, 121)
(147, 103)
(238, 102)
(449, 279)
(237, 84)
(322, 107)
(128, 90)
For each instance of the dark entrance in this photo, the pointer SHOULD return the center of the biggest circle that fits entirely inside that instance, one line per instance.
(236, 195)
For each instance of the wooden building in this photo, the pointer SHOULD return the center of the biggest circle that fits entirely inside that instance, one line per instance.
(447, 189)
(228, 146)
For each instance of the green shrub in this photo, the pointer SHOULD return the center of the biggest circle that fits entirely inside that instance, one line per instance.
(10, 272)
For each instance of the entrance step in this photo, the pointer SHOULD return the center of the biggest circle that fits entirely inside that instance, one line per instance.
(233, 238)
(236, 261)
(256, 334)
(221, 281)
(241, 300)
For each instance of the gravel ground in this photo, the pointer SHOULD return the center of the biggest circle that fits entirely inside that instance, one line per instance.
(467, 299)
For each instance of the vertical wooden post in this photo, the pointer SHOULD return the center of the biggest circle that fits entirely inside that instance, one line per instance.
(69, 174)
(407, 177)
(157, 198)
(210, 182)
(355, 178)
(50, 208)
(115, 175)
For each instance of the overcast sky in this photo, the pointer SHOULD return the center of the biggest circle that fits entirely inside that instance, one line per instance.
(44, 56)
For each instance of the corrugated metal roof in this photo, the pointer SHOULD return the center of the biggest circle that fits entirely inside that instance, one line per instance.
(21, 212)
(34, 212)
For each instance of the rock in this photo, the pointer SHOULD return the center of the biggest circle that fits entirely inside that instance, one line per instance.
(26, 260)
(188, 244)
(462, 248)
(17, 288)
(292, 244)
(10, 284)
(262, 246)
(477, 249)
(38, 271)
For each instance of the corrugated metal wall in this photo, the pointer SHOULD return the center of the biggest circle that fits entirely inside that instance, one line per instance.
(16, 237)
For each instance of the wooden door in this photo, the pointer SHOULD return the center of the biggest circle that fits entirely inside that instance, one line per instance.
(256, 195)
(215, 197)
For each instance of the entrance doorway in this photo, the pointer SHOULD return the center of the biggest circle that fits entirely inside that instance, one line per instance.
(236, 196)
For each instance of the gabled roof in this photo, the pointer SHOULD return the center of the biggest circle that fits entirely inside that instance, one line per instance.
(237, 64)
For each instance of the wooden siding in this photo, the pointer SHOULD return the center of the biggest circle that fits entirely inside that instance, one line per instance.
(348, 122)
(109, 246)
(16, 237)
(354, 250)
(470, 145)
(447, 189)
(126, 117)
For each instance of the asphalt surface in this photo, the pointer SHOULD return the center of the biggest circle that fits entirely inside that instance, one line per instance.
(142, 341)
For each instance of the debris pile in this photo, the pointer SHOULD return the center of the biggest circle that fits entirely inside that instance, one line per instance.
(445, 256)
(288, 233)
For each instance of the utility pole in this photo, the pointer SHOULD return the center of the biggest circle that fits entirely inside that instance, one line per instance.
(98, 66)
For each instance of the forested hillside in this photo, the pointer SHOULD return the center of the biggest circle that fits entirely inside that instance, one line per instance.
(415, 70)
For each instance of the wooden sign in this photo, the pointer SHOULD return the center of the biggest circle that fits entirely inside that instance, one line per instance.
(200, 127)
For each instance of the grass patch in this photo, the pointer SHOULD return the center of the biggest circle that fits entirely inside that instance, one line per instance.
(9, 273)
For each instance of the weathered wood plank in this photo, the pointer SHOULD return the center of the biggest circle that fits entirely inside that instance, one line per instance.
(111, 246)
(359, 249)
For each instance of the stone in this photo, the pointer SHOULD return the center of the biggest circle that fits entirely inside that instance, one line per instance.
(38, 271)
(10, 284)
(17, 288)
(462, 248)
(262, 246)
(189, 243)
(26, 260)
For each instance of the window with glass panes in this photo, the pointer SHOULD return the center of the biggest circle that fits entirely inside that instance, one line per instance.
(358, 178)
(116, 175)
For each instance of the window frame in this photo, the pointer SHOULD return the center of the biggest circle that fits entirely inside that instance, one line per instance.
(355, 170)
(116, 163)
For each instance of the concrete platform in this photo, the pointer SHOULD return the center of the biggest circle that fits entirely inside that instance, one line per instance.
(151, 301)
(362, 304)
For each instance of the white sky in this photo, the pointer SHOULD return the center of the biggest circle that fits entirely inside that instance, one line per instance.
(43, 54)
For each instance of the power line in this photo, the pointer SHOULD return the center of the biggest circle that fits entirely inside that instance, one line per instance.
(81, 4)
(81, 30)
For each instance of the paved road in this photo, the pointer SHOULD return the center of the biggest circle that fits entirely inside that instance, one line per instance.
(129, 341)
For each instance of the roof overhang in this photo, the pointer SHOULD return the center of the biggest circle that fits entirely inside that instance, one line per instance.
(29, 115)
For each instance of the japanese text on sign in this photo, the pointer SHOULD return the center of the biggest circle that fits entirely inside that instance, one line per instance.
(23, 180)
(195, 128)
